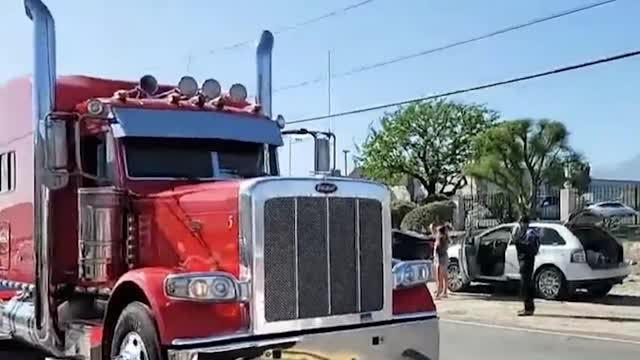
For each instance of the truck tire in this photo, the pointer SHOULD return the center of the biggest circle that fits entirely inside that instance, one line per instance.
(135, 335)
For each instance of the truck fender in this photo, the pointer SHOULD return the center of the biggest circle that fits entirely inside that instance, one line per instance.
(144, 285)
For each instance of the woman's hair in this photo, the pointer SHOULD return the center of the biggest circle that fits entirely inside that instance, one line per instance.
(443, 232)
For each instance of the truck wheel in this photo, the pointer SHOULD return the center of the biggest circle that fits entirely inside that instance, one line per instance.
(135, 336)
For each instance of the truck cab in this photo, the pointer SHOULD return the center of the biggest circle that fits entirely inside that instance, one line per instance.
(150, 221)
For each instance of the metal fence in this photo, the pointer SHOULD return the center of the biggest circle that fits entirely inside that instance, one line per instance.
(491, 209)
(629, 194)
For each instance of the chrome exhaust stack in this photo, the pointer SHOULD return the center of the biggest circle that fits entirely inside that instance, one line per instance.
(31, 316)
(263, 67)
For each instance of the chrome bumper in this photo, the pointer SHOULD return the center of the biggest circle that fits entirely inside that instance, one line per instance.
(415, 340)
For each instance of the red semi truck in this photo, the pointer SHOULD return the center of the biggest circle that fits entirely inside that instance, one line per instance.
(144, 221)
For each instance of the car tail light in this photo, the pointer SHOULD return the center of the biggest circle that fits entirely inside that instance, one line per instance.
(578, 256)
(413, 300)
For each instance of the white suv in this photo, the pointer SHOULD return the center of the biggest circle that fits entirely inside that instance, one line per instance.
(574, 255)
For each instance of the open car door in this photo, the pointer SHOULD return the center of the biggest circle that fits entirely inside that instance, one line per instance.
(467, 248)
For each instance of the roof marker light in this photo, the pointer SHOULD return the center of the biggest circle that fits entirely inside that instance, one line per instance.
(238, 93)
(95, 107)
(211, 88)
(149, 84)
(188, 86)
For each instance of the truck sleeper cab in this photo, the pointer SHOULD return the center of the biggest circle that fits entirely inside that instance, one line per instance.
(150, 222)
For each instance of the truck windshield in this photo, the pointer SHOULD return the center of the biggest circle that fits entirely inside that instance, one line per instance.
(192, 159)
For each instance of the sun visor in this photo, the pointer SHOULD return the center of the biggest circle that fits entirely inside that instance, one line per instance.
(132, 122)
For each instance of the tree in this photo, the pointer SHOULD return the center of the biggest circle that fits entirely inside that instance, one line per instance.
(430, 141)
(522, 155)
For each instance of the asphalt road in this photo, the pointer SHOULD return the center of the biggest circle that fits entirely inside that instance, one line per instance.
(464, 341)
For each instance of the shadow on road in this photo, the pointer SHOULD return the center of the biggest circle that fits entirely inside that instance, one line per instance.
(510, 293)
(13, 350)
(589, 317)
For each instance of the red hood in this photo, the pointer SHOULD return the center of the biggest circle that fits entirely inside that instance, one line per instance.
(192, 227)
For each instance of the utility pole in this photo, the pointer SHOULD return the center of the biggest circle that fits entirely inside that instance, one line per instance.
(346, 168)
(329, 89)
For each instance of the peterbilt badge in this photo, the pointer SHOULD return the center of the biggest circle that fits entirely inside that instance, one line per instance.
(326, 188)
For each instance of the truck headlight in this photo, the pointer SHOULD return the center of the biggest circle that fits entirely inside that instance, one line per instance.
(411, 273)
(214, 287)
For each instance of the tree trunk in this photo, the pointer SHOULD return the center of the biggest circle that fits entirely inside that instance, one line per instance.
(533, 202)
(430, 188)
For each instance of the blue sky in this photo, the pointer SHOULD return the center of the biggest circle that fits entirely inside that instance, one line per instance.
(125, 39)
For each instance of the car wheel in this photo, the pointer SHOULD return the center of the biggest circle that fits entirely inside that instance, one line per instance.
(550, 284)
(135, 336)
(456, 280)
(600, 290)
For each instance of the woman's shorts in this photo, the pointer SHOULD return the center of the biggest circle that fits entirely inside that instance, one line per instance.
(443, 260)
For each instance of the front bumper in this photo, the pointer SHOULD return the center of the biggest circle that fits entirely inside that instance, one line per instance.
(412, 340)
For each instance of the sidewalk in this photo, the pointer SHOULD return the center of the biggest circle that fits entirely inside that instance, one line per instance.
(607, 318)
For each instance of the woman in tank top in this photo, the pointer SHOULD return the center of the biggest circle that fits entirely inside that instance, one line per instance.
(441, 258)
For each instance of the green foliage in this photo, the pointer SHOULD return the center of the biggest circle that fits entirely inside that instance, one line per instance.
(421, 217)
(519, 156)
(399, 209)
(433, 198)
(430, 141)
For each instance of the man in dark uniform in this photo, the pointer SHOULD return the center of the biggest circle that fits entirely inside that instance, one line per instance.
(526, 258)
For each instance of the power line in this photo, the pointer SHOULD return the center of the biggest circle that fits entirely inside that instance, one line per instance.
(449, 46)
(479, 87)
(292, 27)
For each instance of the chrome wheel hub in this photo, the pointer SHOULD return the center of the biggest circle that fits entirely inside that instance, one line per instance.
(455, 277)
(132, 348)
(549, 284)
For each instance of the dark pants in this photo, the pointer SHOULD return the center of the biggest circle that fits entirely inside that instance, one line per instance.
(527, 288)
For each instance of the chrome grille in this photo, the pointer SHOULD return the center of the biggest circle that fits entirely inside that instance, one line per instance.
(323, 256)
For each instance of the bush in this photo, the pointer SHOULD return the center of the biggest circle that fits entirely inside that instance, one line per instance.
(399, 209)
(421, 217)
(433, 198)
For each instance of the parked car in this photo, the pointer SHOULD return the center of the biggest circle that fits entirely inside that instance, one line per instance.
(549, 208)
(577, 254)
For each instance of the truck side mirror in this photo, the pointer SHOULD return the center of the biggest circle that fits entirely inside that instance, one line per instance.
(322, 155)
(56, 156)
